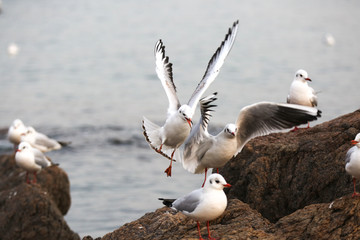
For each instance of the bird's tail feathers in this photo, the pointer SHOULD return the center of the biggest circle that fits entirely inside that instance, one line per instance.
(167, 202)
(152, 136)
(151, 133)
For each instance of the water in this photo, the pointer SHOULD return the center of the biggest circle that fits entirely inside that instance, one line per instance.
(85, 73)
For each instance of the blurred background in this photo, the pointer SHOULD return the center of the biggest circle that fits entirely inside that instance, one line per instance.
(83, 71)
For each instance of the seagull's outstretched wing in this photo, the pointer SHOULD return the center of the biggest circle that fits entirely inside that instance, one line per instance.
(199, 140)
(266, 117)
(214, 65)
(164, 72)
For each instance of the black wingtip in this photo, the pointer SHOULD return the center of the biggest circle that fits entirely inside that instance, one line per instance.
(167, 202)
(319, 113)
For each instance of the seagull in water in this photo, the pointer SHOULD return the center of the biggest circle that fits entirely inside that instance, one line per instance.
(166, 139)
(41, 141)
(203, 204)
(202, 150)
(352, 162)
(15, 131)
(31, 160)
(301, 93)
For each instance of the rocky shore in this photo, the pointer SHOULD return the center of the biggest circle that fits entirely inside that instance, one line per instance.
(284, 186)
(33, 211)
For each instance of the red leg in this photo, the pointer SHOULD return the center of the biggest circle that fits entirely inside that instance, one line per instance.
(308, 125)
(205, 177)
(159, 150)
(27, 178)
(198, 226)
(295, 129)
(355, 194)
(217, 170)
(34, 180)
(208, 228)
(168, 170)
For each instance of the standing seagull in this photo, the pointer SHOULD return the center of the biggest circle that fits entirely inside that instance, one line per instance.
(31, 160)
(203, 204)
(39, 140)
(15, 131)
(352, 162)
(203, 150)
(300, 92)
(172, 134)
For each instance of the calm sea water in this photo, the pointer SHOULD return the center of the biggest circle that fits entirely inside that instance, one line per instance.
(85, 73)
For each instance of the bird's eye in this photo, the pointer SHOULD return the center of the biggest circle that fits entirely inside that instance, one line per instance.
(217, 181)
(301, 75)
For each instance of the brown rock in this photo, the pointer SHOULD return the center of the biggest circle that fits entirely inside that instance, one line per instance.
(339, 219)
(53, 180)
(165, 223)
(33, 211)
(280, 173)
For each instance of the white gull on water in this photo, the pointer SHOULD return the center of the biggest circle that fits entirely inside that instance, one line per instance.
(202, 150)
(167, 139)
(203, 204)
(352, 162)
(31, 160)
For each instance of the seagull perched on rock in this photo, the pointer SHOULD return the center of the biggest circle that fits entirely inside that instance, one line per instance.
(31, 160)
(352, 162)
(15, 131)
(300, 92)
(40, 141)
(167, 139)
(203, 204)
(202, 150)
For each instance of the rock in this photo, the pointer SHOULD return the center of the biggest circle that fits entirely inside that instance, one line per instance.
(33, 211)
(52, 179)
(291, 186)
(165, 223)
(281, 173)
(339, 219)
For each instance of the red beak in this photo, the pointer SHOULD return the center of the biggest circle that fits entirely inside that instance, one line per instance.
(227, 185)
(308, 79)
(18, 150)
(354, 142)
(189, 121)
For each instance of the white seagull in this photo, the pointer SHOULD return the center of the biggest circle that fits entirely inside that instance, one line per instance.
(352, 162)
(166, 139)
(39, 140)
(31, 160)
(300, 92)
(202, 150)
(14, 133)
(203, 204)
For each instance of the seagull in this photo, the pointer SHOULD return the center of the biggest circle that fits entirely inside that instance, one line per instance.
(167, 139)
(352, 162)
(15, 130)
(31, 160)
(301, 93)
(203, 204)
(39, 140)
(202, 150)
